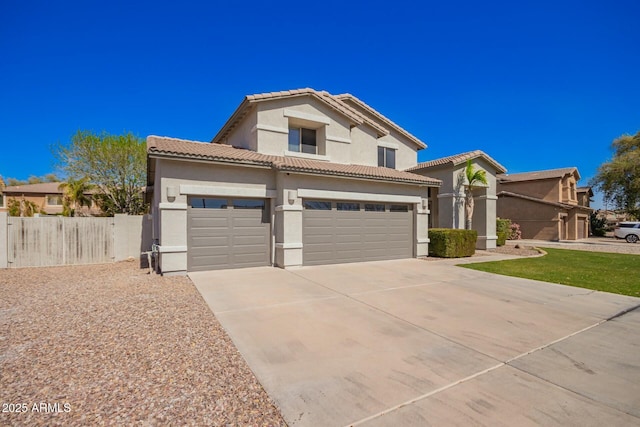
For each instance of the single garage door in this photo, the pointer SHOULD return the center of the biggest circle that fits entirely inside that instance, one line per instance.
(340, 232)
(227, 233)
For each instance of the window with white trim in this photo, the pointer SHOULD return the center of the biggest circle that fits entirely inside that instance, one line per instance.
(303, 140)
(387, 157)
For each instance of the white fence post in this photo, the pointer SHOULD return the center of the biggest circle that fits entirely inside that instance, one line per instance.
(4, 239)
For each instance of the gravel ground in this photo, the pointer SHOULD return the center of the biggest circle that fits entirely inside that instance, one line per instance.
(110, 344)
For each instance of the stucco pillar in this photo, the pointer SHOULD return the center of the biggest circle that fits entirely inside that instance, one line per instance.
(422, 228)
(173, 237)
(288, 224)
(484, 221)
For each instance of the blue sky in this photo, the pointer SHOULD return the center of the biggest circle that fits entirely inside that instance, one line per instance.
(536, 85)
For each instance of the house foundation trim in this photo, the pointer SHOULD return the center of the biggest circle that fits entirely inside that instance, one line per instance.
(289, 245)
(364, 197)
(173, 206)
(207, 190)
(285, 208)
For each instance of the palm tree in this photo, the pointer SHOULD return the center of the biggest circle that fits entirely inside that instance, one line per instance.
(75, 195)
(474, 177)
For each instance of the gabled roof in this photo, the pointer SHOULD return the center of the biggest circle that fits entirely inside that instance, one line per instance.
(182, 149)
(339, 104)
(585, 189)
(458, 159)
(536, 175)
(348, 98)
(544, 202)
(40, 188)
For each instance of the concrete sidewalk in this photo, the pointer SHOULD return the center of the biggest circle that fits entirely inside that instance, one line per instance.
(412, 342)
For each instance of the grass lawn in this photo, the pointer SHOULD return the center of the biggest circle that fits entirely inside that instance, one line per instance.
(607, 272)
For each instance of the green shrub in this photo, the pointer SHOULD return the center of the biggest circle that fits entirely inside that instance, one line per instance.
(503, 230)
(598, 225)
(452, 243)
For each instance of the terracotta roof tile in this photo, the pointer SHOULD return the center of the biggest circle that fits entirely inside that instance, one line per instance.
(532, 176)
(458, 159)
(43, 187)
(177, 148)
(347, 97)
(337, 103)
(203, 150)
(545, 202)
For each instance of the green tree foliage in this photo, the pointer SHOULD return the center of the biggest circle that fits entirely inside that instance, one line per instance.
(473, 177)
(75, 195)
(50, 177)
(598, 225)
(116, 164)
(21, 207)
(619, 178)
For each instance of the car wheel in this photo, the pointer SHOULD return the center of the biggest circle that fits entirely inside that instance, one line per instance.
(631, 238)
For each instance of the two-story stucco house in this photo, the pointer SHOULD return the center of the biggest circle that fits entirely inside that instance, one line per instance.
(546, 204)
(293, 178)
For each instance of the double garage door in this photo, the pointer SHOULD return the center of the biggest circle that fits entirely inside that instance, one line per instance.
(235, 233)
(343, 231)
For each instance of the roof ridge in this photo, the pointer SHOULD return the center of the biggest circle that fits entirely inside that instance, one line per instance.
(381, 117)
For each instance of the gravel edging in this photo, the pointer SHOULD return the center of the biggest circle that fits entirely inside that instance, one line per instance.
(110, 344)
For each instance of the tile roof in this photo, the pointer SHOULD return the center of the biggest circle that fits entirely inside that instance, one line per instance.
(177, 148)
(532, 176)
(347, 97)
(337, 103)
(458, 159)
(43, 187)
(538, 200)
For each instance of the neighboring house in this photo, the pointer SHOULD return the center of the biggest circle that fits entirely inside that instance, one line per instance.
(293, 178)
(585, 194)
(47, 196)
(447, 202)
(545, 204)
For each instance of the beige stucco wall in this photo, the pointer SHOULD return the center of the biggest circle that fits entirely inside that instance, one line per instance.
(245, 135)
(536, 220)
(179, 176)
(265, 129)
(549, 190)
(171, 214)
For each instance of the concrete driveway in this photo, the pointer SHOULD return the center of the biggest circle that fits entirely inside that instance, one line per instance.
(421, 343)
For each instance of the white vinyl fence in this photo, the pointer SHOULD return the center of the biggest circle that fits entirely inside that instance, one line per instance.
(54, 240)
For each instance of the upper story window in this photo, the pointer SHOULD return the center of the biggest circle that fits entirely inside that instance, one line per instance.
(54, 200)
(302, 140)
(387, 157)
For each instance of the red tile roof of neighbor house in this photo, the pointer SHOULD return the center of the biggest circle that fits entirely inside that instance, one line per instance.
(337, 103)
(458, 159)
(178, 148)
(536, 175)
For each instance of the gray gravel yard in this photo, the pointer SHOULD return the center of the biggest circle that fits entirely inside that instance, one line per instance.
(110, 344)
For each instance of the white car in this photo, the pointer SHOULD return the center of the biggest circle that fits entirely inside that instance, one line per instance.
(628, 230)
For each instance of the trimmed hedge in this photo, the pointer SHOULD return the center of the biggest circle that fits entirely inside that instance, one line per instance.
(452, 243)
